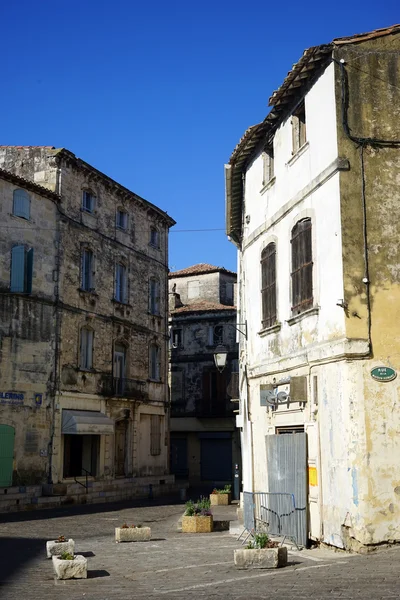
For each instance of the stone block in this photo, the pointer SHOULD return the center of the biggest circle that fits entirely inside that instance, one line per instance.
(220, 499)
(197, 524)
(265, 558)
(132, 534)
(70, 569)
(54, 548)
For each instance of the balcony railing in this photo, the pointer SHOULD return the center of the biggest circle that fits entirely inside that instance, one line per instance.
(124, 388)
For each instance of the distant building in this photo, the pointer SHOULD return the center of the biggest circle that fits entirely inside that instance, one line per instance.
(313, 207)
(83, 275)
(204, 440)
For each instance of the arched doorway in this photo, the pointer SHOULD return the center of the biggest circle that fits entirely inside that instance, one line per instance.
(7, 434)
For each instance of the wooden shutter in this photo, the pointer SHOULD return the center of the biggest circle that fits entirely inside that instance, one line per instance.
(155, 435)
(21, 204)
(268, 285)
(302, 265)
(18, 269)
(83, 357)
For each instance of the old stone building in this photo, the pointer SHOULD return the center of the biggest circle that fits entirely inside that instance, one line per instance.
(98, 281)
(204, 442)
(313, 207)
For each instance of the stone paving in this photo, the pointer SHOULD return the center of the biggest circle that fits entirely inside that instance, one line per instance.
(173, 565)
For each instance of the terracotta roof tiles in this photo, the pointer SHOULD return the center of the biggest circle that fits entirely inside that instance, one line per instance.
(199, 269)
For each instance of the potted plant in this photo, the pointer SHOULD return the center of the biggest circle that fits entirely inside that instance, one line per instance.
(198, 517)
(261, 553)
(221, 497)
(70, 566)
(132, 533)
(60, 545)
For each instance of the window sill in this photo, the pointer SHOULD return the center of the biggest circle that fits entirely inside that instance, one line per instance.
(120, 303)
(158, 315)
(267, 330)
(122, 229)
(88, 292)
(150, 380)
(298, 153)
(306, 313)
(154, 246)
(268, 185)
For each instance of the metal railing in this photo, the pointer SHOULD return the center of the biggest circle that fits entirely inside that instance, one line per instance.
(125, 388)
(86, 484)
(272, 513)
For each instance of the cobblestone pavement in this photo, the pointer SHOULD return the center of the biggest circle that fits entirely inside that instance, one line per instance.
(173, 565)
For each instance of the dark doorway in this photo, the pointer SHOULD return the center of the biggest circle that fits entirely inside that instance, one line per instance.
(81, 455)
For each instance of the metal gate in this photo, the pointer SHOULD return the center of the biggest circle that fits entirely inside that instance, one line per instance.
(7, 434)
(287, 473)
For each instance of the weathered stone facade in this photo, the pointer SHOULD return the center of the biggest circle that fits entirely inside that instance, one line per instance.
(104, 276)
(204, 444)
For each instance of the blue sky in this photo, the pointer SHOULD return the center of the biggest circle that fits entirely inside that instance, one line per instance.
(157, 94)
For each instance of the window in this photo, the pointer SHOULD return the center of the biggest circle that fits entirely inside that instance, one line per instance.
(268, 285)
(119, 369)
(21, 269)
(155, 435)
(21, 204)
(214, 393)
(155, 362)
(268, 164)
(86, 352)
(176, 338)
(120, 283)
(154, 297)
(302, 266)
(87, 271)
(122, 220)
(88, 201)
(229, 293)
(299, 128)
(216, 335)
(154, 237)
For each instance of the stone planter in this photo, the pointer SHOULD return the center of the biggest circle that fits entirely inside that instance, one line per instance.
(197, 524)
(70, 569)
(220, 499)
(266, 558)
(132, 534)
(54, 548)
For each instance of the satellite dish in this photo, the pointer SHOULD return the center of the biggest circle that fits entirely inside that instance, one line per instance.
(281, 397)
(270, 397)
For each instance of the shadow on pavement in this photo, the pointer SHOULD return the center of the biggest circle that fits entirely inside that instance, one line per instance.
(87, 509)
(16, 552)
(94, 573)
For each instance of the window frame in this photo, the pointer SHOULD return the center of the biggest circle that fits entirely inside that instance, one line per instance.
(86, 348)
(302, 283)
(154, 296)
(120, 212)
(87, 193)
(213, 338)
(21, 259)
(299, 128)
(121, 290)
(22, 212)
(154, 362)
(87, 271)
(268, 164)
(154, 237)
(178, 342)
(268, 286)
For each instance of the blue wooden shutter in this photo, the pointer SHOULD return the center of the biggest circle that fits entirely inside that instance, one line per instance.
(21, 204)
(18, 269)
(29, 271)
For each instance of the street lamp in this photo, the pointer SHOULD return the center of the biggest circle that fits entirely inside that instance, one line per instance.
(220, 356)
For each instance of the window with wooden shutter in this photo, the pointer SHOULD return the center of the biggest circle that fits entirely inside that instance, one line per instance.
(21, 270)
(268, 285)
(121, 283)
(155, 363)
(302, 266)
(86, 350)
(21, 204)
(87, 270)
(154, 296)
(299, 132)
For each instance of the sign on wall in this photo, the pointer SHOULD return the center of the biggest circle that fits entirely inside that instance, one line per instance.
(383, 374)
(11, 398)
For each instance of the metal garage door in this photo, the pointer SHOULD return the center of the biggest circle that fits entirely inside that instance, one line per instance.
(216, 457)
(6, 455)
(178, 457)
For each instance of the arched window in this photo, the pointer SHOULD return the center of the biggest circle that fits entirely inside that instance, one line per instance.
(21, 204)
(268, 285)
(86, 348)
(154, 296)
(155, 362)
(302, 266)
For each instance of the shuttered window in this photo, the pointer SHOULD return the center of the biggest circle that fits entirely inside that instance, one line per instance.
(121, 283)
(86, 350)
(21, 269)
(87, 271)
(21, 204)
(155, 435)
(154, 297)
(302, 266)
(268, 285)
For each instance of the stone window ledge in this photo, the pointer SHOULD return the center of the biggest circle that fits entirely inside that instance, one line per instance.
(303, 315)
(299, 153)
(267, 330)
(268, 185)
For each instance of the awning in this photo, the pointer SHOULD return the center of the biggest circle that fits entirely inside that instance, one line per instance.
(86, 422)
